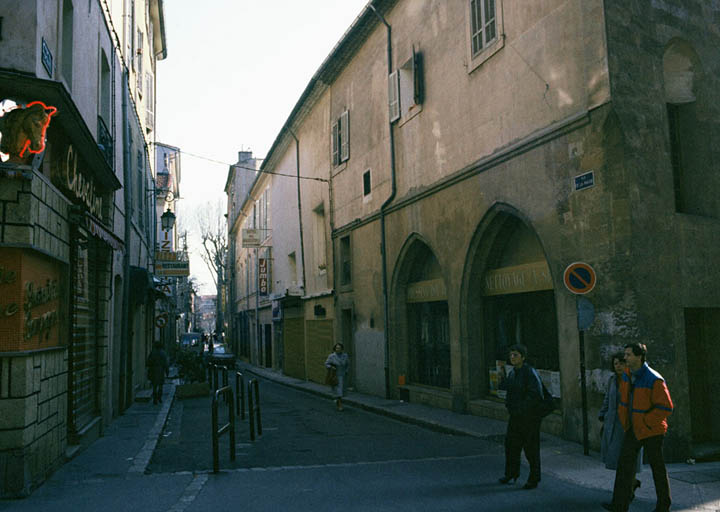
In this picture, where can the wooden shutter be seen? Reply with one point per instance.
(418, 79)
(394, 96)
(335, 143)
(344, 136)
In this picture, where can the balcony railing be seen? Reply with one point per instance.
(105, 142)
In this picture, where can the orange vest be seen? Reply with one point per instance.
(651, 403)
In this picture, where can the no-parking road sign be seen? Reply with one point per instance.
(579, 277)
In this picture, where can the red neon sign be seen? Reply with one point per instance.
(49, 112)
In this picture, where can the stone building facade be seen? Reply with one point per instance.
(465, 154)
(62, 232)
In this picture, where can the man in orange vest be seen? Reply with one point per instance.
(643, 409)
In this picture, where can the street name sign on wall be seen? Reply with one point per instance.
(250, 238)
(579, 277)
(585, 180)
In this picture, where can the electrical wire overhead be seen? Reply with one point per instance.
(238, 166)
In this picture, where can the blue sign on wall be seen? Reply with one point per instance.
(586, 180)
(47, 58)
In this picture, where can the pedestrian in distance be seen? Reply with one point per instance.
(644, 407)
(157, 368)
(338, 361)
(612, 433)
(524, 393)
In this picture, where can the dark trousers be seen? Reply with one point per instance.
(625, 475)
(157, 391)
(523, 434)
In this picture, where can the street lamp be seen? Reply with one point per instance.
(167, 220)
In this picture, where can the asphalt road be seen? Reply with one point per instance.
(311, 457)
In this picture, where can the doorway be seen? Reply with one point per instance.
(702, 330)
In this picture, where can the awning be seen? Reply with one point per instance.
(96, 228)
(28, 88)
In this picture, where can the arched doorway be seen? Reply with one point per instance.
(422, 351)
(509, 299)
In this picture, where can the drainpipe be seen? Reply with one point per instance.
(302, 242)
(123, 385)
(383, 249)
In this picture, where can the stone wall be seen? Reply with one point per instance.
(33, 401)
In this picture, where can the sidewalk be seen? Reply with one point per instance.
(694, 487)
(113, 469)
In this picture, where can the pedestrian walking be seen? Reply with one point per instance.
(338, 361)
(524, 394)
(157, 368)
(612, 433)
(643, 409)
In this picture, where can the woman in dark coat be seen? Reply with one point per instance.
(524, 394)
(612, 431)
(157, 367)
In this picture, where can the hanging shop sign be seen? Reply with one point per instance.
(263, 276)
(171, 264)
(23, 130)
(250, 238)
(30, 302)
(529, 277)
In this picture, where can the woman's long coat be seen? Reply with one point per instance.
(613, 433)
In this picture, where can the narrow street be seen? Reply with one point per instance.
(311, 457)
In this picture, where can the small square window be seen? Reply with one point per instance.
(366, 183)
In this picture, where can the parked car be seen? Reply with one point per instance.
(220, 355)
(191, 340)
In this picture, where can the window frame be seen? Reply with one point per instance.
(340, 139)
(476, 58)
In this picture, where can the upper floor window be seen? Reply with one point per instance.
(340, 143)
(482, 24)
(345, 261)
(485, 30)
(694, 188)
(66, 54)
(406, 89)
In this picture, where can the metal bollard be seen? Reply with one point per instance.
(240, 395)
(254, 408)
(228, 427)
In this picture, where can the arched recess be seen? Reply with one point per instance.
(420, 352)
(507, 297)
(687, 130)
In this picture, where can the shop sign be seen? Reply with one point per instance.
(80, 185)
(23, 130)
(172, 268)
(530, 277)
(29, 302)
(263, 276)
(250, 238)
(431, 290)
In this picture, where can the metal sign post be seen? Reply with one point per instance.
(580, 278)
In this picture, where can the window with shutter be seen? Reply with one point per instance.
(139, 56)
(149, 102)
(394, 96)
(335, 143)
(344, 136)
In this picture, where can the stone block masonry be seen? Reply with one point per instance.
(33, 420)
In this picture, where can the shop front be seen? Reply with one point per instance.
(55, 259)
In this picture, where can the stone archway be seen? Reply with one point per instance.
(507, 298)
(420, 353)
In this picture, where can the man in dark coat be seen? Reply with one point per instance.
(157, 367)
(524, 393)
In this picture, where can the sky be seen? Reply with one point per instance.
(233, 73)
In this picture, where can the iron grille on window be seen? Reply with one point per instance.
(105, 142)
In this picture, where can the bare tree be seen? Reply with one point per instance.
(213, 234)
